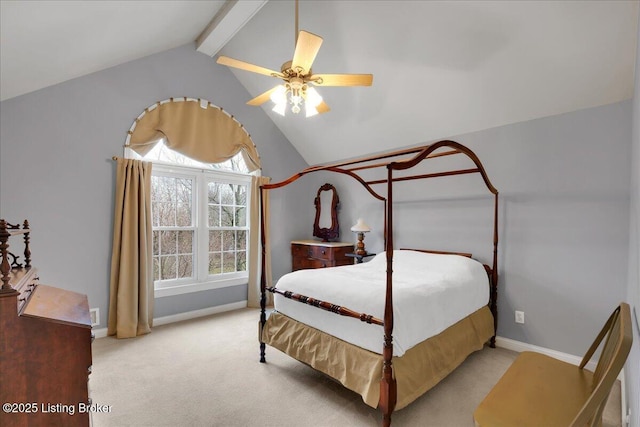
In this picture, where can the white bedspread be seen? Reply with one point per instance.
(430, 293)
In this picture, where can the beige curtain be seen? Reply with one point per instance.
(131, 287)
(208, 135)
(255, 245)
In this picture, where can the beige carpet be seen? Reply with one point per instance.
(205, 372)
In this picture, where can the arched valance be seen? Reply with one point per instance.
(195, 128)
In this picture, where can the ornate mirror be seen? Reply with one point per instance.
(326, 224)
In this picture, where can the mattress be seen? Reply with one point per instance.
(430, 293)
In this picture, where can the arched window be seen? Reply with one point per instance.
(200, 218)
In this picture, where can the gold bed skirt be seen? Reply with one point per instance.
(360, 370)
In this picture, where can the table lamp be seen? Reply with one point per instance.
(360, 227)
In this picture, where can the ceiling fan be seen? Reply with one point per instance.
(297, 76)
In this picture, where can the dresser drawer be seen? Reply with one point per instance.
(313, 254)
(321, 252)
(306, 263)
(300, 251)
(309, 251)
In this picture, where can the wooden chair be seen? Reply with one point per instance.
(538, 390)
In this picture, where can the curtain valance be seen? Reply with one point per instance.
(195, 128)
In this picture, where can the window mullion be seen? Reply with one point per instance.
(203, 229)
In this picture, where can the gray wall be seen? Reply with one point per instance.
(632, 368)
(56, 170)
(564, 185)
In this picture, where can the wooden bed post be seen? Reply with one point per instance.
(388, 386)
(263, 278)
(494, 275)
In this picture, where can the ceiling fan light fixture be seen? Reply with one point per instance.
(313, 97)
(280, 108)
(297, 76)
(310, 110)
(279, 95)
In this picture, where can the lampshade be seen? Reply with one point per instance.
(279, 98)
(361, 227)
(297, 94)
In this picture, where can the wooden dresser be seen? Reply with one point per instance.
(306, 254)
(45, 345)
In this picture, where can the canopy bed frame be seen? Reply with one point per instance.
(404, 160)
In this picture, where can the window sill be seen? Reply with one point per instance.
(170, 291)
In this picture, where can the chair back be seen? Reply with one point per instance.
(619, 337)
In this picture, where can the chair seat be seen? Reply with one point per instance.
(537, 390)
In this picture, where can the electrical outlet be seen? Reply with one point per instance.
(519, 316)
(95, 316)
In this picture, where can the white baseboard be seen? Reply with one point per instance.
(102, 332)
(519, 346)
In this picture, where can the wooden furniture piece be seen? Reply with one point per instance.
(395, 167)
(538, 390)
(45, 345)
(326, 212)
(307, 254)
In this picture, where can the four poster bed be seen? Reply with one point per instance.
(421, 312)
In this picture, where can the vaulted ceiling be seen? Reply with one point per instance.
(441, 68)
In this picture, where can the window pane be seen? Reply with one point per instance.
(185, 242)
(156, 242)
(228, 240)
(215, 263)
(155, 214)
(183, 215)
(241, 240)
(215, 241)
(214, 216)
(164, 154)
(156, 268)
(167, 267)
(214, 193)
(166, 214)
(228, 262)
(155, 188)
(185, 266)
(241, 217)
(226, 219)
(165, 189)
(227, 196)
(241, 261)
(168, 242)
(184, 190)
(241, 195)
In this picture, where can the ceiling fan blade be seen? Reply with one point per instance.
(322, 107)
(262, 98)
(230, 62)
(342, 79)
(307, 48)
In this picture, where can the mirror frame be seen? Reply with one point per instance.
(327, 233)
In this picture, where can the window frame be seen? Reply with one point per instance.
(202, 280)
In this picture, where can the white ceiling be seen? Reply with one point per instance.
(43, 43)
(440, 68)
